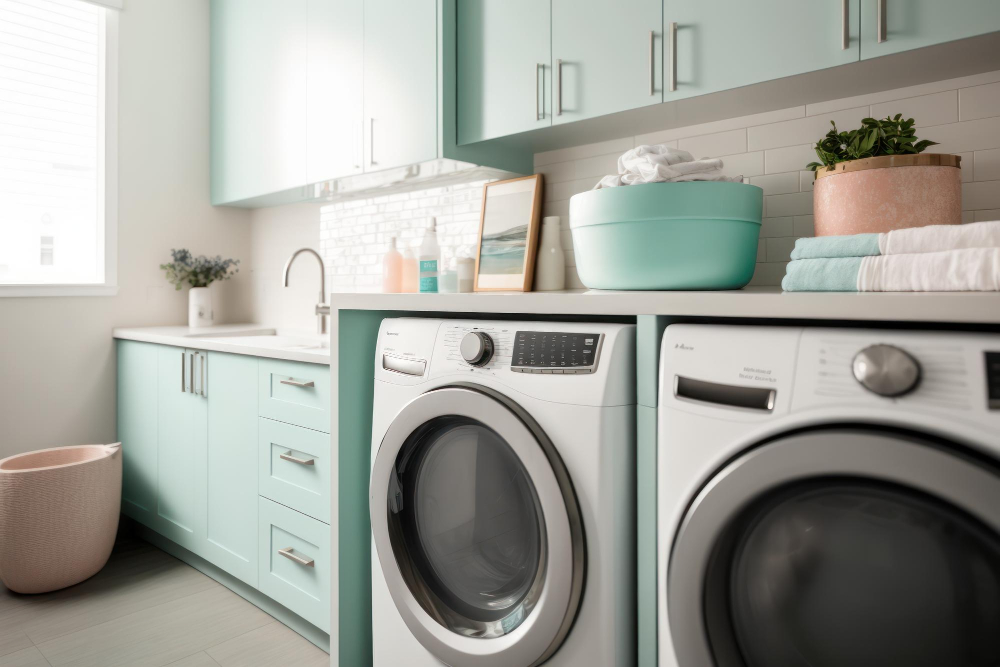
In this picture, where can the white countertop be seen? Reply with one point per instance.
(250, 339)
(750, 302)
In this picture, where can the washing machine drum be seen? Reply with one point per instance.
(477, 529)
(840, 547)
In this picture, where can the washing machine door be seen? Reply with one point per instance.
(477, 529)
(840, 547)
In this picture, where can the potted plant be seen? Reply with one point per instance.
(877, 178)
(198, 272)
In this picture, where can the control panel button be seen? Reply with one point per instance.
(477, 348)
(886, 370)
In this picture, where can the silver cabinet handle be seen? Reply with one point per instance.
(652, 63)
(183, 377)
(287, 553)
(371, 141)
(539, 114)
(287, 456)
(297, 383)
(845, 24)
(359, 143)
(191, 389)
(559, 87)
(880, 21)
(672, 83)
(201, 363)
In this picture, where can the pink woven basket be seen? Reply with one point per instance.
(58, 515)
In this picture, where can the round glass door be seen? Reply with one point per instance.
(464, 513)
(840, 547)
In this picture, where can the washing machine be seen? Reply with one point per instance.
(828, 497)
(502, 494)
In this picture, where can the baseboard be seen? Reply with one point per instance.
(248, 593)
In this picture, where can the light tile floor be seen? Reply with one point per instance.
(145, 609)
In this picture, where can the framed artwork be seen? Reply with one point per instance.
(508, 234)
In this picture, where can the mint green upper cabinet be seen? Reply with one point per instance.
(137, 428)
(732, 43)
(334, 88)
(400, 62)
(258, 94)
(610, 57)
(231, 460)
(911, 24)
(182, 416)
(504, 70)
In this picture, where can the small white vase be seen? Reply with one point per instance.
(200, 313)
(550, 268)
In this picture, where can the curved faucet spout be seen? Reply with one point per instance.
(321, 307)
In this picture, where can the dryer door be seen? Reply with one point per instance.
(477, 529)
(840, 547)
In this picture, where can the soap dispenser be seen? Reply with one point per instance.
(430, 260)
(392, 269)
(550, 267)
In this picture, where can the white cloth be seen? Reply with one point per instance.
(966, 270)
(663, 164)
(936, 238)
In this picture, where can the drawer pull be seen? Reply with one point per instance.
(302, 462)
(296, 383)
(287, 553)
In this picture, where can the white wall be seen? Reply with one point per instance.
(57, 357)
(771, 150)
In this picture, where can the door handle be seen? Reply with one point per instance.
(298, 383)
(287, 552)
(539, 115)
(191, 389)
(845, 24)
(559, 87)
(371, 141)
(287, 456)
(652, 62)
(880, 21)
(201, 363)
(672, 84)
(183, 376)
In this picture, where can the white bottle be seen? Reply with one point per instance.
(392, 269)
(550, 268)
(429, 260)
(408, 282)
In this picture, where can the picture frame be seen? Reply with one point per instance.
(508, 235)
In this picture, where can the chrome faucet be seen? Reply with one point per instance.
(322, 309)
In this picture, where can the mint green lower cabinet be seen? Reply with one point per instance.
(295, 393)
(911, 24)
(137, 428)
(231, 460)
(295, 562)
(182, 436)
(731, 43)
(293, 467)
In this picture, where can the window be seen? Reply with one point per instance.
(58, 145)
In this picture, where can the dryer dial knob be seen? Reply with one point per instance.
(477, 348)
(886, 370)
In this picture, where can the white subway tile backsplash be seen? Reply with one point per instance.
(779, 249)
(803, 226)
(987, 165)
(972, 135)
(579, 152)
(776, 227)
(926, 110)
(979, 101)
(800, 203)
(714, 145)
(980, 195)
(807, 179)
(777, 184)
(719, 126)
(983, 216)
(802, 130)
(743, 164)
(793, 158)
(967, 166)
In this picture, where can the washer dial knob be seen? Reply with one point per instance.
(886, 370)
(477, 348)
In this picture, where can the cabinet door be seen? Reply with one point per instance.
(334, 89)
(610, 57)
(503, 67)
(231, 460)
(732, 43)
(910, 24)
(258, 96)
(137, 428)
(400, 83)
(181, 442)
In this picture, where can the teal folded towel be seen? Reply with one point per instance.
(855, 245)
(834, 274)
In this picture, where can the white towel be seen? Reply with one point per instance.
(663, 164)
(936, 238)
(966, 270)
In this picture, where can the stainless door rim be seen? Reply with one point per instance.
(540, 635)
(893, 458)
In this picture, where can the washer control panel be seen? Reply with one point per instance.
(555, 352)
(993, 380)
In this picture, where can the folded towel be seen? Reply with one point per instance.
(965, 270)
(663, 164)
(837, 274)
(935, 238)
(854, 245)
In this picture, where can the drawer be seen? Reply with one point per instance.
(295, 562)
(295, 393)
(294, 467)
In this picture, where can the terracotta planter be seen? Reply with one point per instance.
(880, 194)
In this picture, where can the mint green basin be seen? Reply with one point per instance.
(700, 235)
